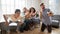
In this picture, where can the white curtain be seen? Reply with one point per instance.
(54, 6)
(9, 6)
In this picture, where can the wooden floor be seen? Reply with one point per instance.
(37, 31)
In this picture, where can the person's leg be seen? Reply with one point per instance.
(27, 22)
(18, 27)
(8, 29)
(22, 27)
(8, 32)
(43, 27)
(49, 28)
(36, 22)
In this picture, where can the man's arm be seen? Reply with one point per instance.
(5, 17)
(50, 13)
(40, 15)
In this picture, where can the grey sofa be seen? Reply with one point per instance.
(56, 21)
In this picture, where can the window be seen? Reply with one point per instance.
(54, 6)
(9, 6)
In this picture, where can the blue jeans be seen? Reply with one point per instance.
(27, 22)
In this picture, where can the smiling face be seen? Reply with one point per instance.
(43, 6)
(25, 9)
(32, 10)
(17, 13)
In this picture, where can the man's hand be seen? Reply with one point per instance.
(6, 24)
(50, 14)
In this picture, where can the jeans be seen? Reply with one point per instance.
(28, 23)
(49, 27)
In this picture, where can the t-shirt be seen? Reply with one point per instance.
(45, 18)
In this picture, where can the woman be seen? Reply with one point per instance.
(30, 18)
(33, 17)
(27, 20)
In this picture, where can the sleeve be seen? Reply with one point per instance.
(48, 10)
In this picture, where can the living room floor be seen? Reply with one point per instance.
(37, 31)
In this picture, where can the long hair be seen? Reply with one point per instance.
(33, 9)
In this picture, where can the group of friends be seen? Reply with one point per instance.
(28, 21)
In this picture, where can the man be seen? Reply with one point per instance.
(16, 18)
(45, 15)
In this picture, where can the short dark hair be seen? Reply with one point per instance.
(33, 9)
(17, 10)
(41, 4)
